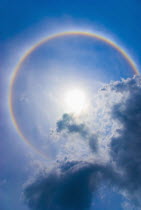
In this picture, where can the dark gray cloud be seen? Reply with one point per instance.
(68, 124)
(72, 185)
(126, 147)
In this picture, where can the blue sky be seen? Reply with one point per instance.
(23, 23)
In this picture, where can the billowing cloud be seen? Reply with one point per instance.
(70, 186)
(126, 147)
(73, 184)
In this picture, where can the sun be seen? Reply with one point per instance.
(75, 101)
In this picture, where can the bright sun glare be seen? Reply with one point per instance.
(75, 101)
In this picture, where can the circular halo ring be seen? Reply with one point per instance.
(47, 39)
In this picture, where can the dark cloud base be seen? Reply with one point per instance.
(72, 185)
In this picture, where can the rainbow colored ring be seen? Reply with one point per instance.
(47, 39)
